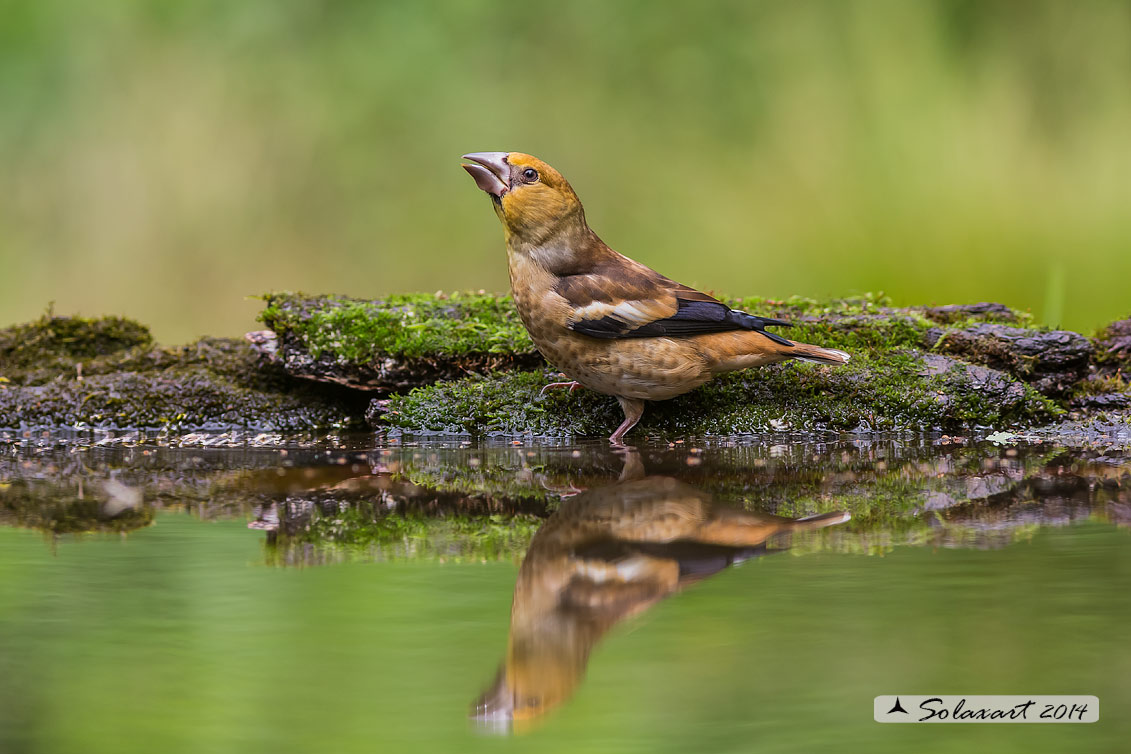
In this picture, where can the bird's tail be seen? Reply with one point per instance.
(741, 349)
(814, 354)
(820, 521)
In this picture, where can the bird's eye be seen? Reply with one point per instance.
(530, 175)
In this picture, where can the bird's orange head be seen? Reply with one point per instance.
(532, 199)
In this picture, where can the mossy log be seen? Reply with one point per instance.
(397, 343)
(76, 373)
(463, 364)
(952, 368)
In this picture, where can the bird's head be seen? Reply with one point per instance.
(532, 199)
(540, 673)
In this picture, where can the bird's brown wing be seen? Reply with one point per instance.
(623, 299)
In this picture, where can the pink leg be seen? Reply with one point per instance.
(572, 385)
(633, 409)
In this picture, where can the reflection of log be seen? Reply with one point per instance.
(67, 507)
(1056, 496)
(605, 555)
(898, 492)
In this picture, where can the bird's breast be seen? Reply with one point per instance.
(648, 368)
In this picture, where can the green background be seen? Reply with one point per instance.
(167, 158)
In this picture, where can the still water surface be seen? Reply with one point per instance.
(338, 597)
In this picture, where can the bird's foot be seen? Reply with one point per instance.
(572, 385)
(633, 410)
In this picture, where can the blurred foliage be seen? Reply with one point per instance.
(166, 158)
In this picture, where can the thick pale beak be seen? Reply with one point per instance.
(492, 173)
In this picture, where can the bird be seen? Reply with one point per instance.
(610, 323)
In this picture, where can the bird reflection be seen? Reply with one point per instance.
(604, 555)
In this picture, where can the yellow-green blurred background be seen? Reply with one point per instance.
(168, 158)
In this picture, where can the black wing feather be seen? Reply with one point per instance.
(692, 318)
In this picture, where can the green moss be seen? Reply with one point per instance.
(1113, 347)
(876, 391)
(51, 338)
(215, 383)
(887, 386)
(869, 320)
(412, 326)
(423, 325)
(883, 388)
(1102, 385)
(797, 306)
(60, 372)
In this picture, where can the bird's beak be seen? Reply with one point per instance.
(491, 173)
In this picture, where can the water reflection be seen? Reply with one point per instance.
(607, 554)
(180, 616)
(324, 503)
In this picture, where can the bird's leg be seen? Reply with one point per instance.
(633, 409)
(572, 385)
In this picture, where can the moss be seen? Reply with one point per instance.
(870, 320)
(1053, 361)
(407, 341)
(61, 372)
(331, 338)
(875, 391)
(886, 386)
(412, 326)
(460, 324)
(1103, 384)
(397, 343)
(1113, 347)
(215, 383)
(50, 339)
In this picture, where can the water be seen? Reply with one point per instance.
(331, 596)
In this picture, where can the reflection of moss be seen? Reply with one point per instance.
(55, 510)
(363, 530)
(914, 532)
(953, 495)
(486, 502)
(412, 326)
(490, 481)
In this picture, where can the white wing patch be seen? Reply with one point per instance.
(633, 313)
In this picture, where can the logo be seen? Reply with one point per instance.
(954, 708)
